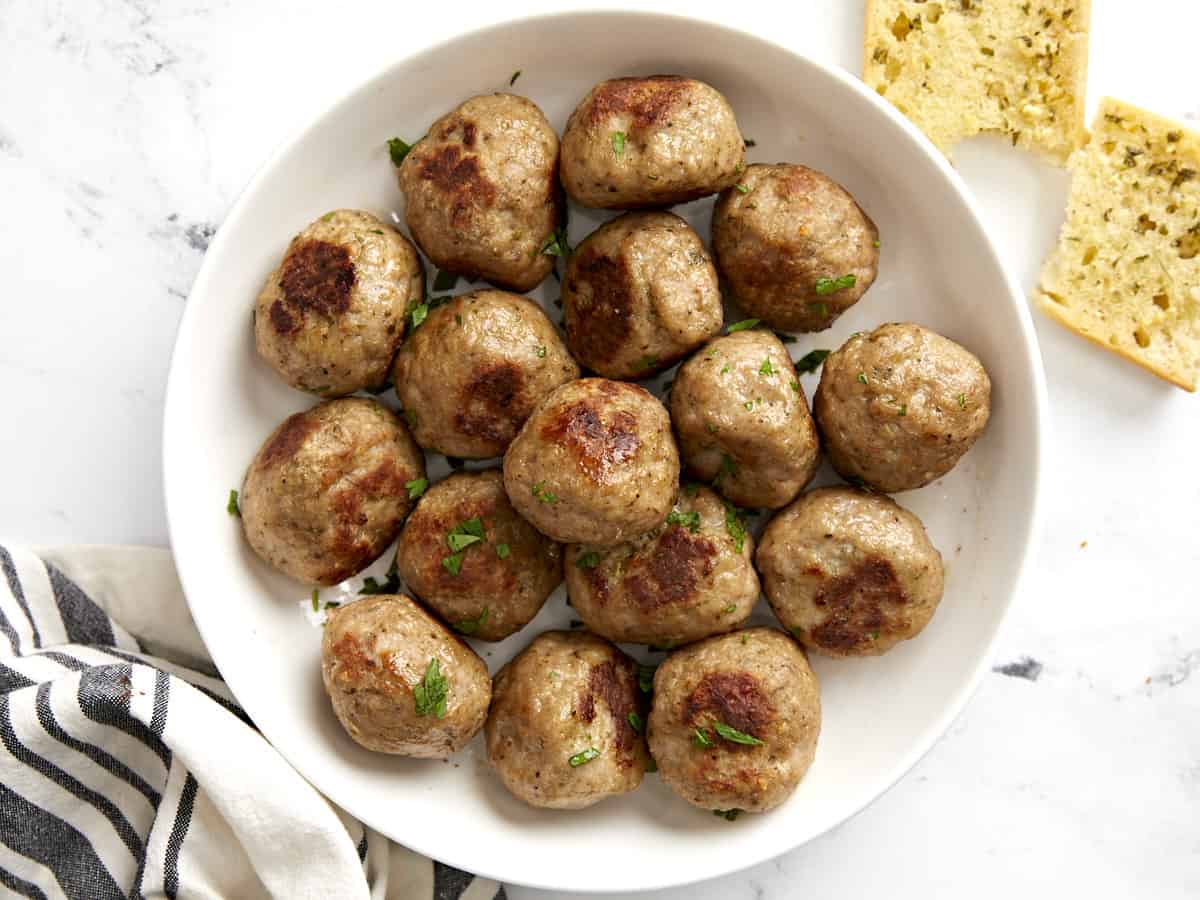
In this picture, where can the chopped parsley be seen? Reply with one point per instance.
(742, 325)
(651, 765)
(397, 150)
(729, 815)
(748, 142)
(556, 244)
(444, 281)
(731, 608)
(821, 309)
(732, 735)
(418, 314)
(735, 527)
(583, 756)
(502, 551)
(390, 586)
(515, 76)
(453, 563)
(877, 245)
(543, 495)
(231, 506)
(691, 489)
(646, 362)
(458, 539)
(316, 601)
(635, 721)
(785, 338)
(470, 626)
(690, 521)
(416, 488)
(749, 404)
(618, 143)
(902, 410)
(827, 286)
(962, 401)
(645, 678)
(327, 217)
(742, 188)
(862, 377)
(429, 694)
(811, 361)
(700, 739)
(728, 468)
(376, 231)
(795, 387)
(410, 417)
(458, 318)
(766, 368)
(587, 560)
(541, 352)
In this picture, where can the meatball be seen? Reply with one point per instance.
(735, 720)
(564, 730)
(640, 293)
(654, 141)
(595, 463)
(480, 193)
(326, 493)
(399, 681)
(743, 421)
(689, 578)
(330, 318)
(472, 372)
(796, 249)
(898, 408)
(849, 573)
(472, 560)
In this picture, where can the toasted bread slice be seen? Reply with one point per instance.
(1126, 271)
(958, 68)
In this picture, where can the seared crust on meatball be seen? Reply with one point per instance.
(564, 730)
(735, 720)
(330, 317)
(783, 240)
(899, 407)
(487, 588)
(850, 573)
(743, 422)
(376, 659)
(656, 141)
(480, 192)
(640, 293)
(469, 376)
(595, 463)
(689, 578)
(325, 494)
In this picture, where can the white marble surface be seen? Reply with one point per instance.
(128, 127)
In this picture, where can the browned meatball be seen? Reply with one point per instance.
(564, 730)
(687, 579)
(474, 370)
(326, 495)
(742, 420)
(899, 407)
(330, 317)
(655, 141)
(796, 249)
(640, 293)
(472, 560)
(849, 573)
(594, 464)
(399, 681)
(735, 720)
(480, 193)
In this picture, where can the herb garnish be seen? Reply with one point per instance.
(811, 361)
(734, 736)
(700, 739)
(444, 281)
(645, 678)
(541, 352)
(728, 815)
(429, 694)
(728, 468)
(962, 401)
(690, 521)
(635, 721)
(731, 608)
(470, 626)
(515, 76)
(543, 495)
(389, 586)
(649, 361)
(316, 603)
(232, 507)
(502, 551)
(742, 188)
(830, 285)
(734, 526)
(691, 488)
(587, 560)
(862, 377)
(458, 539)
(748, 142)
(397, 150)
(583, 756)
(416, 487)
(766, 368)
(556, 244)
(742, 325)
(618, 143)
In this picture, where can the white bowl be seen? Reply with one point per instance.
(938, 268)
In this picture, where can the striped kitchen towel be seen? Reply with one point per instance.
(128, 769)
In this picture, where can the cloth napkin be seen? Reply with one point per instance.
(128, 769)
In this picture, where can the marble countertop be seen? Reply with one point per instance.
(127, 129)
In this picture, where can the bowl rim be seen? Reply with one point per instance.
(906, 131)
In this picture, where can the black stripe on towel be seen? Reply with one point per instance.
(104, 760)
(20, 885)
(162, 689)
(14, 585)
(81, 791)
(362, 846)
(86, 623)
(104, 698)
(33, 832)
(183, 818)
(11, 680)
(208, 692)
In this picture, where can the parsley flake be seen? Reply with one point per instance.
(470, 626)
(587, 560)
(729, 815)
(811, 361)
(543, 495)
(503, 551)
(316, 603)
(419, 314)
(766, 368)
(700, 739)
(429, 694)
(728, 468)
(734, 736)
(646, 362)
(453, 563)
(690, 521)
(390, 586)
(618, 143)
(735, 527)
(231, 506)
(541, 352)
(731, 608)
(583, 756)
(742, 325)
(645, 678)
(416, 488)
(862, 377)
(635, 721)
(742, 188)
(515, 76)
(397, 150)
(749, 142)
(827, 286)
(962, 401)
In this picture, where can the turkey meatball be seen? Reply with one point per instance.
(325, 495)
(473, 371)
(656, 141)
(743, 422)
(795, 248)
(689, 578)
(480, 193)
(472, 560)
(594, 464)
(735, 720)
(564, 730)
(399, 681)
(640, 293)
(849, 573)
(330, 317)
(899, 407)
